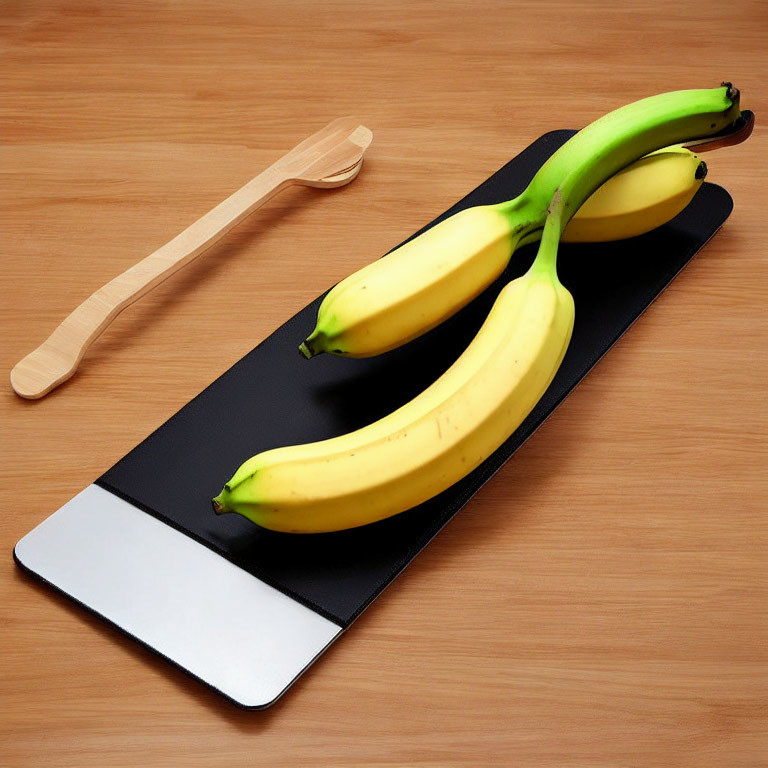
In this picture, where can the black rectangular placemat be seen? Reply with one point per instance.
(274, 397)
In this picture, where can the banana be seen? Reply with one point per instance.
(372, 312)
(417, 286)
(643, 196)
(430, 442)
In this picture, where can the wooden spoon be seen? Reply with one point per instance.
(329, 158)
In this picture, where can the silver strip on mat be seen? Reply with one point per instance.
(233, 631)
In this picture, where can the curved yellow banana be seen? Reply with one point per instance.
(368, 313)
(430, 442)
(647, 194)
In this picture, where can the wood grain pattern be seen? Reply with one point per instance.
(602, 601)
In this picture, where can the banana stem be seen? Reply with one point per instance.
(546, 258)
(560, 211)
(523, 214)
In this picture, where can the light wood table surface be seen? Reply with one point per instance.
(602, 601)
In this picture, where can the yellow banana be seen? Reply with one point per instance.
(647, 194)
(430, 442)
(369, 312)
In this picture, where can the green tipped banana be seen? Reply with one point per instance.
(417, 286)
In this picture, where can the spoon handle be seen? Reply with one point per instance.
(57, 358)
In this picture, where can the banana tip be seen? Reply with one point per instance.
(732, 93)
(310, 347)
(218, 507)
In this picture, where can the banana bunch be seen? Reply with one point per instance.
(431, 442)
